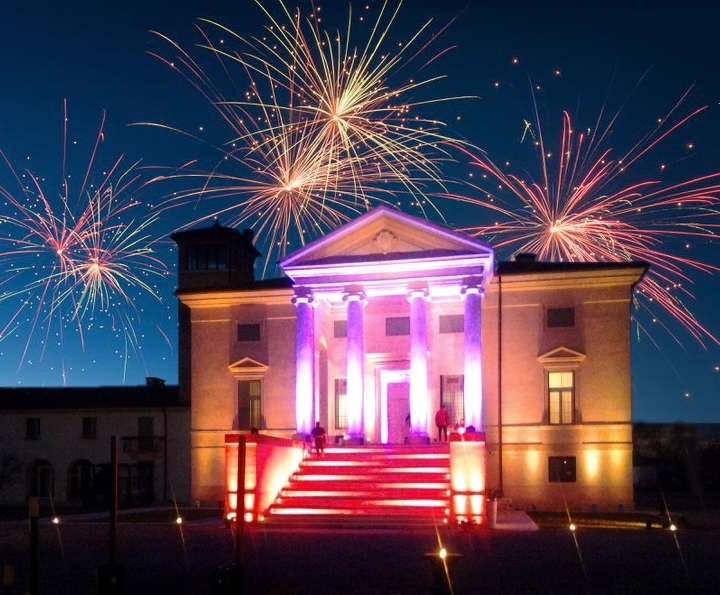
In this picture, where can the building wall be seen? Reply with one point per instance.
(215, 348)
(601, 437)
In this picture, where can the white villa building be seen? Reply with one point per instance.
(377, 323)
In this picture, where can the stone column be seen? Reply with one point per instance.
(304, 361)
(473, 294)
(418, 365)
(355, 346)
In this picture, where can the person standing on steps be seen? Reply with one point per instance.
(318, 435)
(441, 421)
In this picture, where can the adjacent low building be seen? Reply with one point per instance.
(55, 443)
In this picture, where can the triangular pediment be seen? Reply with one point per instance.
(383, 234)
(247, 367)
(561, 357)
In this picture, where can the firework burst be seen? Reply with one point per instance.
(320, 134)
(73, 259)
(585, 207)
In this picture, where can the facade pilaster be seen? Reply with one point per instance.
(418, 364)
(304, 361)
(472, 405)
(355, 345)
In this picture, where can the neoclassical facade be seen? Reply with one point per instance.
(377, 323)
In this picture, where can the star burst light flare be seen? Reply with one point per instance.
(321, 133)
(585, 206)
(72, 257)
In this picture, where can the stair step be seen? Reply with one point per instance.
(348, 486)
(300, 480)
(438, 510)
(359, 502)
(365, 469)
(369, 493)
(358, 521)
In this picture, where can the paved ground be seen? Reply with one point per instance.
(163, 559)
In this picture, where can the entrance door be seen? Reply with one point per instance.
(398, 401)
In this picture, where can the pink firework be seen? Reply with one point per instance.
(585, 207)
(69, 259)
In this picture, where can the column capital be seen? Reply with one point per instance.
(421, 292)
(303, 296)
(355, 295)
(472, 287)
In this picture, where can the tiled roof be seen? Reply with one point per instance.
(102, 397)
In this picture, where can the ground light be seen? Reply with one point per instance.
(441, 566)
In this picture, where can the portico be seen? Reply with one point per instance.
(396, 302)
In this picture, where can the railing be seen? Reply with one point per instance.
(142, 445)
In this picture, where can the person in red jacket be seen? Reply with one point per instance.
(441, 421)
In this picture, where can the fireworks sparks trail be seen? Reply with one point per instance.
(321, 134)
(73, 260)
(584, 207)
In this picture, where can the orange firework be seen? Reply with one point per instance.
(319, 135)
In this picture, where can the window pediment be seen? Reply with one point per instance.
(561, 357)
(247, 368)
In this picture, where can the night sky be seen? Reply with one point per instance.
(639, 58)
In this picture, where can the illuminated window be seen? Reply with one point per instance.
(561, 397)
(340, 401)
(248, 332)
(453, 323)
(32, 428)
(560, 317)
(561, 469)
(249, 414)
(340, 329)
(89, 427)
(210, 257)
(395, 327)
(451, 395)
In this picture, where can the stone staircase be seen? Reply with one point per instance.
(371, 483)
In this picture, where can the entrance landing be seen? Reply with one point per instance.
(370, 481)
